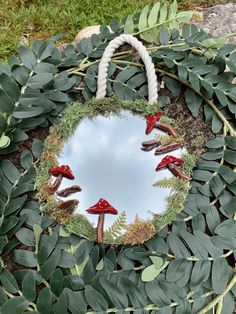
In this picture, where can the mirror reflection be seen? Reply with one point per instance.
(107, 161)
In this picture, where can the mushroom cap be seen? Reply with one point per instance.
(169, 160)
(64, 169)
(102, 207)
(151, 121)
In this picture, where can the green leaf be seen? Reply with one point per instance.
(27, 57)
(184, 16)
(56, 281)
(156, 294)
(157, 261)
(73, 282)
(227, 229)
(129, 25)
(8, 281)
(115, 294)
(75, 301)
(16, 305)
(44, 301)
(39, 80)
(47, 244)
(153, 15)
(230, 156)
(29, 286)
(231, 142)
(91, 82)
(217, 124)
(95, 299)
(61, 304)
(164, 36)
(7, 105)
(173, 85)
(136, 296)
(37, 148)
(50, 265)
(10, 171)
(173, 10)
(217, 142)
(25, 236)
(151, 272)
(163, 13)
(25, 258)
(24, 113)
(26, 159)
(10, 87)
(85, 46)
(193, 102)
(200, 273)
(142, 23)
(220, 273)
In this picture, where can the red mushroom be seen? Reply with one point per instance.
(154, 122)
(172, 163)
(101, 208)
(60, 172)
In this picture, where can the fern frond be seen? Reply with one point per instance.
(171, 182)
(167, 120)
(116, 229)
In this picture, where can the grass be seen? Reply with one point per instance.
(22, 21)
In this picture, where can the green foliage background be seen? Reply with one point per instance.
(33, 19)
(188, 267)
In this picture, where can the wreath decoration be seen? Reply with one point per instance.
(189, 266)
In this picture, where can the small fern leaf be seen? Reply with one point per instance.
(117, 228)
(171, 182)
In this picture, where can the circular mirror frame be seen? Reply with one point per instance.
(78, 223)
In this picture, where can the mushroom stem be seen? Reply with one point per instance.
(100, 228)
(149, 145)
(167, 148)
(68, 191)
(177, 172)
(166, 127)
(56, 183)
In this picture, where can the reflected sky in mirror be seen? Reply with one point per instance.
(107, 161)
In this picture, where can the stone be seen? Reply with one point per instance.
(219, 20)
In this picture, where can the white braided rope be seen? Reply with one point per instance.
(106, 58)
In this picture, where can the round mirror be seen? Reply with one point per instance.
(122, 185)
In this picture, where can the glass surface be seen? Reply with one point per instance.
(107, 161)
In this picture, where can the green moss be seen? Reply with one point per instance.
(189, 163)
(175, 203)
(79, 224)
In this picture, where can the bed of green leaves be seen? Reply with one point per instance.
(188, 267)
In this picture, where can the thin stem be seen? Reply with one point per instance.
(209, 102)
(219, 297)
(229, 35)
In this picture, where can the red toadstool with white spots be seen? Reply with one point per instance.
(154, 122)
(60, 172)
(101, 208)
(172, 163)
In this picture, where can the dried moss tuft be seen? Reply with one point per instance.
(139, 232)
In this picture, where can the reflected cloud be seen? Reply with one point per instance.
(106, 158)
